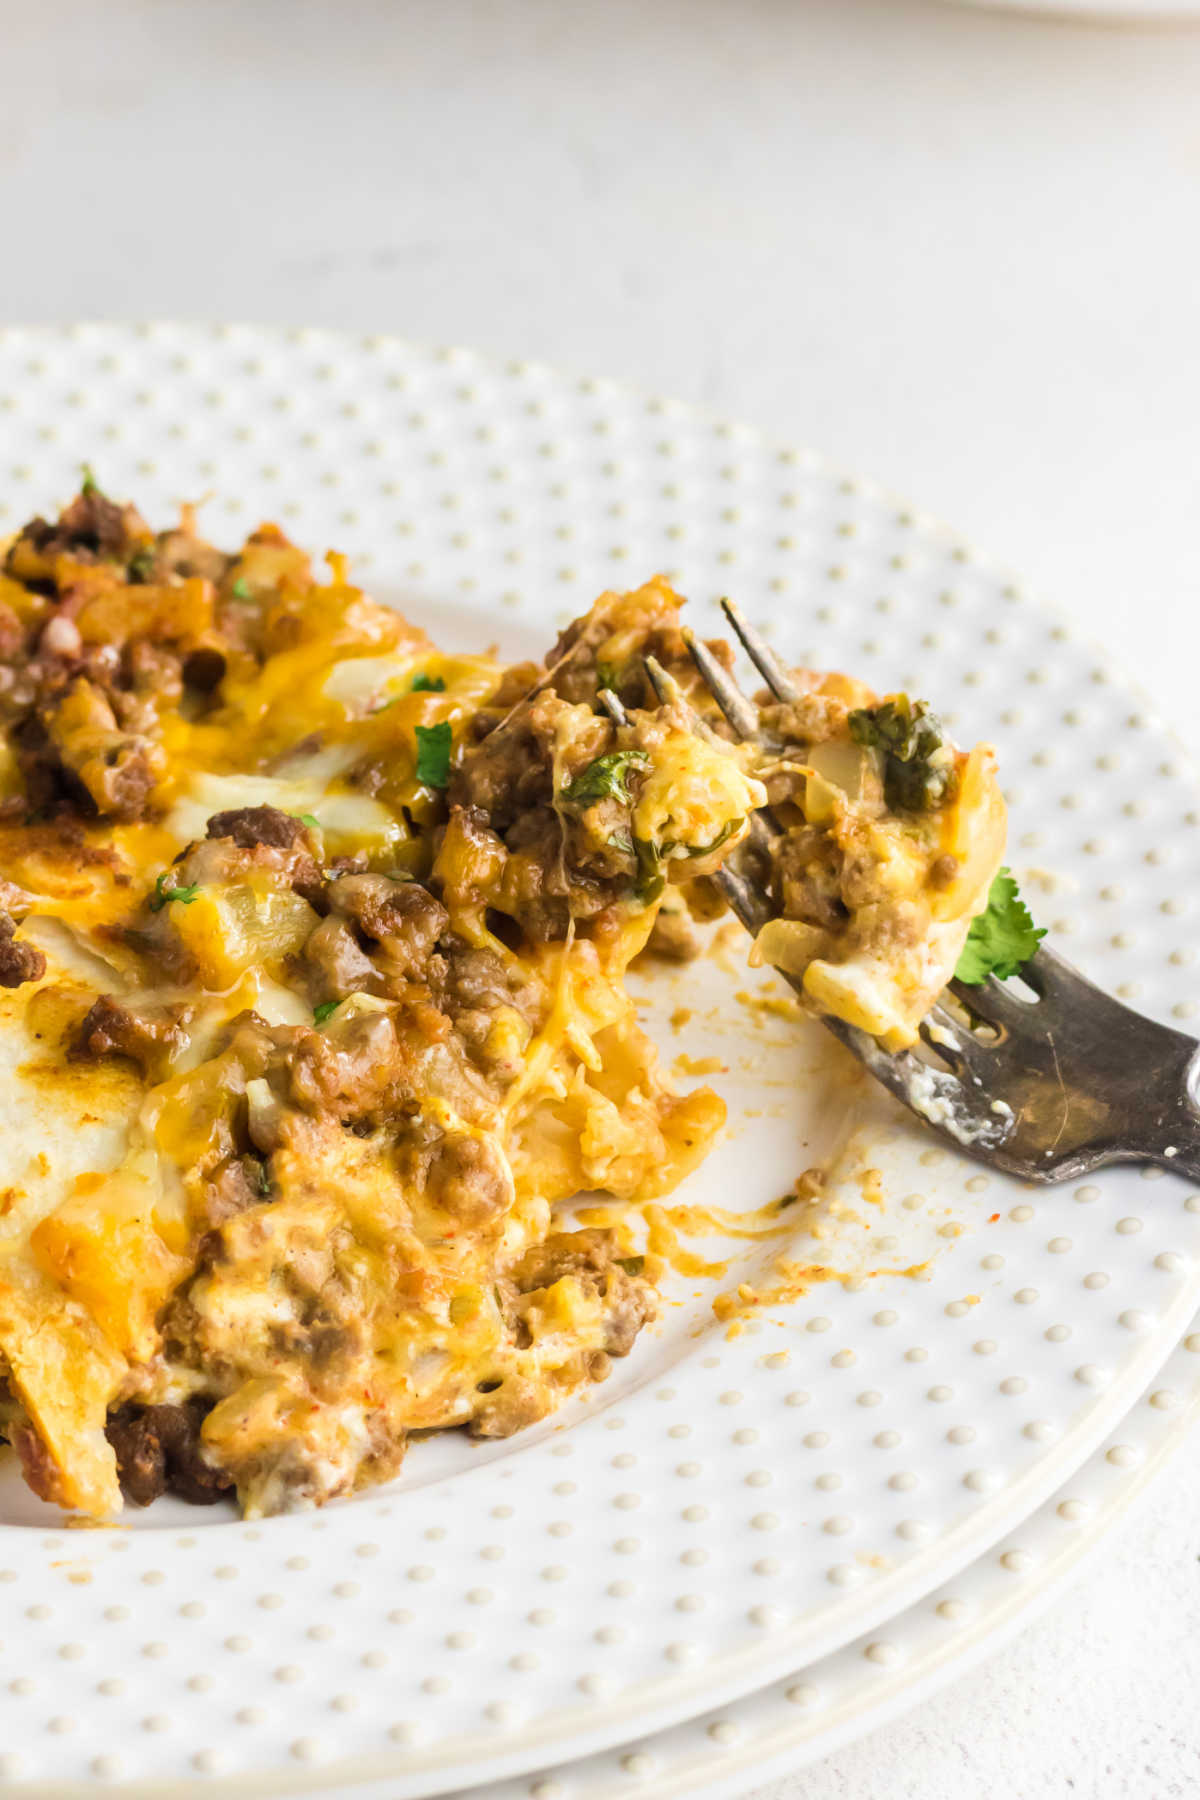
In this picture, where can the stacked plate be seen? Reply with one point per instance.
(868, 1485)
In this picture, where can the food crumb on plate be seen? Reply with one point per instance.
(699, 1065)
(780, 1006)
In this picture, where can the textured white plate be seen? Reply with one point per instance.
(725, 1509)
(810, 1714)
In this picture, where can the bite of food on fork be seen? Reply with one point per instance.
(872, 880)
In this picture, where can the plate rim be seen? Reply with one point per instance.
(973, 1644)
(972, 1536)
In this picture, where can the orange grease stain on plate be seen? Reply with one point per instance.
(795, 1279)
(666, 1226)
(779, 1006)
(698, 1065)
(870, 1183)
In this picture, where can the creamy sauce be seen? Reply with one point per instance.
(936, 1097)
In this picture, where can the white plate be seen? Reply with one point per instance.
(817, 1710)
(725, 1509)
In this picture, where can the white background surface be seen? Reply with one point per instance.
(959, 252)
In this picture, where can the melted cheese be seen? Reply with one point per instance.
(694, 795)
(908, 887)
(322, 722)
(383, 1278)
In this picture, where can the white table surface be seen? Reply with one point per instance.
(958, 251)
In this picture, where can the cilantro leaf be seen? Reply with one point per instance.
(309, 819)
(608, 675)
(632, 1265)
(1002, 938)
(163, 895)
(322, 1012)
(140, 566)
(650, 878)
(918, 773)
(89, 484)
(428, 684)
(606, 778)
(241, 589)
(433, 753)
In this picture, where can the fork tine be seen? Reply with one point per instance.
(764, 829)
(1053, 978)
(954, 1043)
(994, 1003)
(955, 1107)
(741, 713)
(612, 706)
(760, 654)
(665, 686)
(746, 900)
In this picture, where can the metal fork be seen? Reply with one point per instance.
(1044, 1084)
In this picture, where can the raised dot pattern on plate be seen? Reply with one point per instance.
(793, 1722)
(488, 500)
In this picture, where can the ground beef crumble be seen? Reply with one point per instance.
(149, 1035)
(251, 825)
(19, 961)
(158, 1452)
